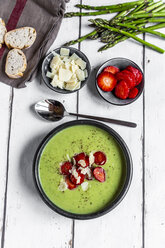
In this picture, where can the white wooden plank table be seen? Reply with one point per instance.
(139, 220)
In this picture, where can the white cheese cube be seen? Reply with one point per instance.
(56, 61)
(74, 68)
(81, 63)
(58, 83)
(74, 56)
(73, 85)
(55, 54)
(67, 66)
(80, 74)
(86, 73)
(64, 52)
(64, 75)
(49, 74)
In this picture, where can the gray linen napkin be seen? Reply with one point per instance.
(45, 16)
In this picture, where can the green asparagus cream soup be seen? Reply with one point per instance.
(77, 139)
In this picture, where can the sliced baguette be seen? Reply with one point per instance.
(15, 63)
(20, 38)
(2, 31)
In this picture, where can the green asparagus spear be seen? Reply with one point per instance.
(158, 49)
(110, 7)
(145, 15)
(81, 38)
(102, 12)
(149, 8)
(143, 30)
(112, 44)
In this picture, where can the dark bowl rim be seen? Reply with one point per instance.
(65, 91)
(120, 196)
(131, 100)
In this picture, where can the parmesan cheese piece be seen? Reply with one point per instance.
(64, 75)
(63, 185)
(81, 63)
(85, 186)
(74, 57)
(80, 74)
(55, 62)
(64, 52)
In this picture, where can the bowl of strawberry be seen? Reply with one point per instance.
(120, 81)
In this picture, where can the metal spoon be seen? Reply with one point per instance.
(52, 110)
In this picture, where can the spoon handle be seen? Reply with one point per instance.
(118, 122)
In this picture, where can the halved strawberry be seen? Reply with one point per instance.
(99, 174)
(100, 158)
(133, 93)
(82, 159)
(79, 179)
(87, 160)
(70, 184)
(106, 81)
(66, 167)
(138, 75)
(112, 69)
(80, 156)
(87, 172)
(122, 90)
(128, 77)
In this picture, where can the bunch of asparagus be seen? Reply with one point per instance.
(129, 21)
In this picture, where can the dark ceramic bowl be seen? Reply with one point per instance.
(120, 195)
(46, 67)
(121, 63)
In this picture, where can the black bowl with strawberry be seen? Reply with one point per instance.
(120, 81)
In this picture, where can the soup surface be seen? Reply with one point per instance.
(76, 139)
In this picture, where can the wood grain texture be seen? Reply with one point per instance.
(154, 147)
(126, 220)
(139, 220)
(5, 103)
(29, 222)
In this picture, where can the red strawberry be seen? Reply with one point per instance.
(106, 81)
(112, 69)
(99, 174)
(70, 184)
(138, 75)
(79, 180)
(128, 77)
(65, 167)
(133, 93)
(100, 158)
(80, 156)
(82, 159)
(87, 160)
(122, 90)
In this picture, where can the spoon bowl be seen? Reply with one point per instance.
(52, 110)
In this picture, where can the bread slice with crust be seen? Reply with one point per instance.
(15, 63)
(2, 31)
(20, 38)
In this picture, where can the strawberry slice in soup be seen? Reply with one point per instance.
(76, 177)
(69, 183)
(66, 167)
(82, 159)
(99, 174)
(100, 158)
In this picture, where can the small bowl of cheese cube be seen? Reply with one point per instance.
(65, 70)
